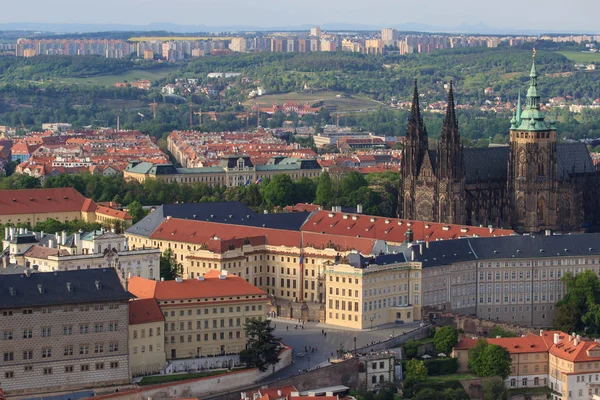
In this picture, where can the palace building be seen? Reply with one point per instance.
(532, 185)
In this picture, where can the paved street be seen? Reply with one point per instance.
(311, 336)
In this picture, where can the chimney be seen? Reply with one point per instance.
(279, 393)
(578, 337)
(200, 277)
(179, 279)
(359, 209)
(21, 231)
(409, 235)
(421, 249)
(28, 273)
(412, 255)
(548, 232)
(575, 342)
(223, 275)
(51, 244)
(41, 235)
(6, 233)
(57, 237)
(77, 239)
(541, 332)
(64, 238)
(162, 279)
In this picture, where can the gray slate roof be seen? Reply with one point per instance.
(573, 158)
(445, 252)
(54, 285)
(492, 162)
(227, 212)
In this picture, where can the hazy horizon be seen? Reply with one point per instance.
(550, 15)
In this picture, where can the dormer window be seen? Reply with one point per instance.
(240, 163)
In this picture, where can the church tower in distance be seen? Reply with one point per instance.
(532, 170)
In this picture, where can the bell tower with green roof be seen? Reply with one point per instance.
(532, 172)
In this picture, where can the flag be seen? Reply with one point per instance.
(247, 182)
(258, 181)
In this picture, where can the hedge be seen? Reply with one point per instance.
(438, 366)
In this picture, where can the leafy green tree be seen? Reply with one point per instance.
(352, 182)
(136, 211)
(578, 309)
(410, 349)
(490, 360)
(169, 267)
(427, 394)
(475, 355)
(498, 330)
(262, 348)
(454, 394)
(416, 371)
(445, 339)
(494, 389)
(279, 191)
(324, 190)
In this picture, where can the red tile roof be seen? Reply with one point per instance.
(44, 252)
(26, 201)
(528, 344)
(144, 311)
(112, 213)
(211, 287)
(392, 230)
(585, 351)
(302, 207)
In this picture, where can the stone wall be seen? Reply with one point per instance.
(202, 386)
(478, 326)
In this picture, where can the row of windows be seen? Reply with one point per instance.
(337, 316)
(69, 350)
(215, 324)
(67, 308)
(143, 348)
(46, 331)
(143, 332)
(215, 336)
(68, 369)
(215, 310)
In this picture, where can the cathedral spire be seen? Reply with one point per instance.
(450, 123)
(415, 110)
(532, 117)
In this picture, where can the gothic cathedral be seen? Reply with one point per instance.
(532, 185)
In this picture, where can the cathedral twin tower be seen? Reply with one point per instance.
(531, 185)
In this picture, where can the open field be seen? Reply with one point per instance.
(580, 57)
(129, 76)
(329, 99)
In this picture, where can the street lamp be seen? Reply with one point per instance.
(371, 319)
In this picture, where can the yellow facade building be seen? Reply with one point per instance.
(146, 337)
(204, 316)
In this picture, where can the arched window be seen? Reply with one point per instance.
(524, 382)
(540, 209)
(536, 381)
(381, 378)
(513, 382)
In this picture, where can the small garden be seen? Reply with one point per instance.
(431, 374)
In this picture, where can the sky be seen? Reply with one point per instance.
(544, 15)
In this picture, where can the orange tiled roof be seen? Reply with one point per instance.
(50, 200)
(391, 229)
(111, 212)
(44, 252)
(211, 287)
(144, 311)
(527, 344)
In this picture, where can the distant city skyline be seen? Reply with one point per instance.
(465, 15)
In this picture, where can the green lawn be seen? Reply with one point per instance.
(130, 76)
(451, 377)
(533, 390)
(153, 380)
(579, 57)
(342, 104)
